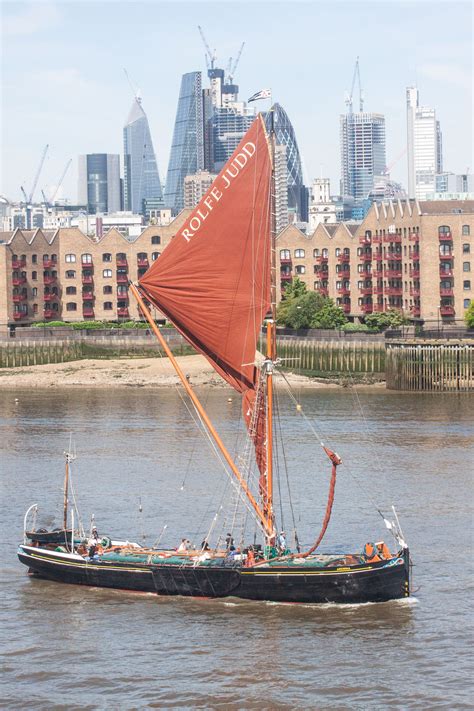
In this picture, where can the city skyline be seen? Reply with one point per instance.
(308, 78)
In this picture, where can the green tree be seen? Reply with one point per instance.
(469, 316)
(292, 291)
(329, 316)
(387, 319)
(301, 308)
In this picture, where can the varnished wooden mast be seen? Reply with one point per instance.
(66, 486)
(258, 510)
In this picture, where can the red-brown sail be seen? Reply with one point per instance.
(213, 279)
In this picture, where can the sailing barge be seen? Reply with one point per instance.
(216, 282)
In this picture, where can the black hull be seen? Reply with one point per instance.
(61, 537)
(376, 582)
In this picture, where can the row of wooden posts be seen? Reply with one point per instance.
(440, 367)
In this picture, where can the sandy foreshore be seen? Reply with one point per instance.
(131, 372)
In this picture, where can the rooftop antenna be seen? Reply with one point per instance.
(210, 56)
(348, 99)
(135, 90)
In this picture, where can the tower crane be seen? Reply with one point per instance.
(232, 66)
(135, 90)
(361, 95)
(29, 199)
(210, 56)
(61, 179)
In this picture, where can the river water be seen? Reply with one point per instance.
(67, 647)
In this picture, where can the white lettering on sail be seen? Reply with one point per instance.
(215, 194)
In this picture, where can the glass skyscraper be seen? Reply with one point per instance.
(362, 153)
(99, 182)
(229, 125)
(141, 177)
(285, 136)
(187, 149)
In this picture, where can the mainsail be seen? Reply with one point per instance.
(213, 279)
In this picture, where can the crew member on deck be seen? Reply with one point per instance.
(229, 541)
(281, 542)
(183, 546)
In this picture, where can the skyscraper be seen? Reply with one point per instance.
(141, 177)
(229, 125)
(281, 188)
(99, 182)
(424, 146)
(285, 136)
(362, 152)
(187, 149)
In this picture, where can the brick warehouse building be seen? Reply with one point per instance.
(407, 255)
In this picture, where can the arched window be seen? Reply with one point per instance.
(71, 306)
(86, 258)
(155, 255)
(142, 255)
(466, 248)
(300, 269)
(338, 251)
(299, 253)
(34, 275)
(107, 273)
(106, 257)
(285, 254)
(107, 289)
(70, 258)
(156, 239)
(54, 258)
(444, 230)
(71, 290)
(108, 306)
(70, 274)
(466, 230)
(466, 266)
(325, 252)
(315, 253)
(34, 259)
(121, 257)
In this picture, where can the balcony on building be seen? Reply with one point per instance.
(322, 259)
(48, 313)
(50, 297)
(366, 257)
(377, 289)
(49, 263)
(394, 291)
(123, 311)
(394, 254)
(87, 261)
(446, 291)
(16, 281)
(443, 272)
(143, 262)
(367, 308)
(344, 258)
(377, 239)
(49, 279)
(122, 278)
(378, 256)
(346, 308)
(392, 273)
(87, 279)
(414, 273)
(344, 290)
(323, 290)
(414, 291)
(88, 296)
(88, 311)
(366, 290)
(18, 298)
(445, 237)
(414, 237)
(396, 238)
(18, 263)
(17, 315)
(122, 262)
(416, 311)
(447, 310)
(445, 257)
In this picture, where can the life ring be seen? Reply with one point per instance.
(106, 542)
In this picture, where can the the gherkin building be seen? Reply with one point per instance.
(285, 135)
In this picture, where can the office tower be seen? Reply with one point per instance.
(424, 147)
(141, 177)
(195, 187)
(281, 188)
(99, 182)
(362, 152)
(229, 125)
(285, 136)
(187, 149)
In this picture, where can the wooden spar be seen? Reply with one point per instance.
(66, 484)
(269, 487)
(201, 410)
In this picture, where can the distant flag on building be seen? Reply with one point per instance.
(263, 94)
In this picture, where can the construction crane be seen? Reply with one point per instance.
(232, 66)
(210, 56)
(361, 95)
(29, 199)
(135, 90)
(61, 179)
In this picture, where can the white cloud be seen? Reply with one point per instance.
(30, 19)
(447, 73)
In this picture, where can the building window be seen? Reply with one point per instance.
(338, 251)
(466, 266)
(285, 254)
(466, 285)
(34, 260)
(70, 290)
(45, 257)
(71, 306)
(86, 258)
(107, 273)
(108, 306)
(325, 253)
(315, 253)
(299, 253)
(121, 257)
(70, 274)
(467, 303)
(156, 239)
(54, 258)
(466, 248)
(107, 257)
(466, 230)
(122, 290)
(155, 255)
(35, 308)
(444, 230)
(70, 258)
(300, 269)
(34, 291)
(107, 289)
(34, 276)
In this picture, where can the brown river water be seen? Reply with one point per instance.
(67, 647)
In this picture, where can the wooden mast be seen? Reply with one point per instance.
(268, 529)
(66, 485)
(270, 346)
